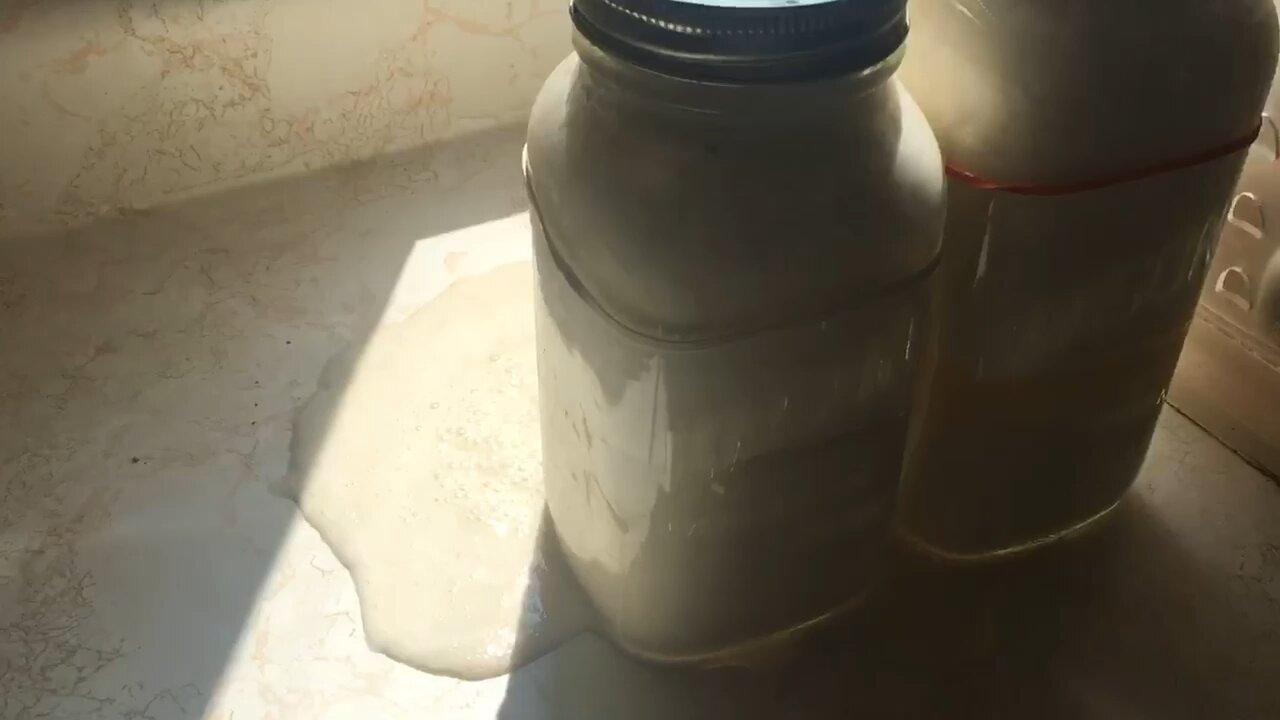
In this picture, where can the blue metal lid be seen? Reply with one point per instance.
(746, 40)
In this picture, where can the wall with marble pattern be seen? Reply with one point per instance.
(111, 106)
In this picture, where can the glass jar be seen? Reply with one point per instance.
(1092, 147)
(737, 214)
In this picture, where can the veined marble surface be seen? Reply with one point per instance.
(149, 383)
(119, 105)
(152, 369)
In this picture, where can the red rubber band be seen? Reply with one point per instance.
(1221, 151)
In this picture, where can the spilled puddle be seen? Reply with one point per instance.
(418, 461)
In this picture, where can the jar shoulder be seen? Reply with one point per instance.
(1027, 91)
(695, 220)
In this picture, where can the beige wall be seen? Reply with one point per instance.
(112, 105)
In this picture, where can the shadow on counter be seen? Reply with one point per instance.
(1134, 619)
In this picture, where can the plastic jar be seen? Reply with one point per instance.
(737, 213)
(1092, 146)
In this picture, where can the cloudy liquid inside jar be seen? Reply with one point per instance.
(1037, 458)
(1064, 320)
(700, 489)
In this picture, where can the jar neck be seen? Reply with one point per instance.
(611, 73)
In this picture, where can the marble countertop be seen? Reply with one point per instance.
(153, 371)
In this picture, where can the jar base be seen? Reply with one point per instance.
(768, 651)
(1020, 550)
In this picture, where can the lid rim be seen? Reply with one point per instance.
(734, 43)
